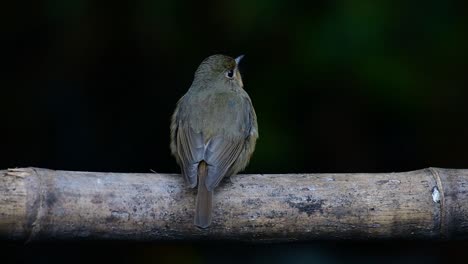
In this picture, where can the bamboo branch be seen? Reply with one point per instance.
(41, 204)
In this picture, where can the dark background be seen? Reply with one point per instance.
(338, 86)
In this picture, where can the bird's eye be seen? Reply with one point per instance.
(230, 74)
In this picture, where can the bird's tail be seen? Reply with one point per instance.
(204, 198)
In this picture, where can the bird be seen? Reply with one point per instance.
(213, 130)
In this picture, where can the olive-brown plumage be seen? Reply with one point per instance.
(213, 130)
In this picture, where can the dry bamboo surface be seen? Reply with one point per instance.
(41, 204)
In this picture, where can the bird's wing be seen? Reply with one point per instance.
(190, 148)
(220, 154)
(227, 155)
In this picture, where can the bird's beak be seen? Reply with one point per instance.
(238, 59)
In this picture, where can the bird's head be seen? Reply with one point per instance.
(219, 70)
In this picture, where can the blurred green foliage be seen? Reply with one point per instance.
(338, 85)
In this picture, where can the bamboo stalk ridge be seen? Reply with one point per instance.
(42, 204)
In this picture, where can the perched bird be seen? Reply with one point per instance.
(213, 130)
